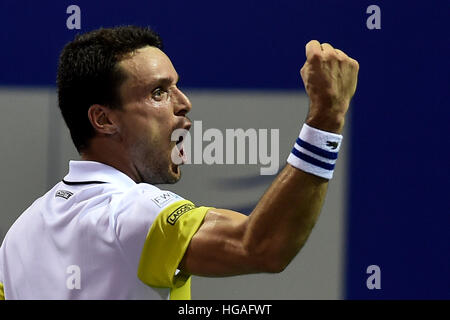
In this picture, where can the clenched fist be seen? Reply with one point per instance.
(330, 78)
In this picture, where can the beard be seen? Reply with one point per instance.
(159, 172)
(155, 167)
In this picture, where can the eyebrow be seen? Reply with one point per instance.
(166, 80)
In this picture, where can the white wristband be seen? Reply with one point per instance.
(315, 151)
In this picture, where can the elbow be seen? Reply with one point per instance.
(275, 266)
(271, 253)
(269, 259)
(277, 260)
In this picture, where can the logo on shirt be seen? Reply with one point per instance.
(174, 216)
(163, 198)
(63, 194)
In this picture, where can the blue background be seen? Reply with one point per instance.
(398, 206)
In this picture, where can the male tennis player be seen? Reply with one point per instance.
(107, 232)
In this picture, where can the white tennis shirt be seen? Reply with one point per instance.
(99, 235)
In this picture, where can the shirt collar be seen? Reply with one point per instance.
(81, 172)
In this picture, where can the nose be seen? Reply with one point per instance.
(182, 104)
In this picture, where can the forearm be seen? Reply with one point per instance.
(229, 243)
(284, 217)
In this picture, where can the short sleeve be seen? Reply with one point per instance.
(166, 243)
(134, 215)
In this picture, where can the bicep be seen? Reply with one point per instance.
(218, 246)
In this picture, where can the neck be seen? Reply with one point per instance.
(112, 155)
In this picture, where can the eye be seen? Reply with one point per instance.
(159, 94)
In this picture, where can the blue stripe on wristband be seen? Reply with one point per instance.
(316, 150)
(314, 161)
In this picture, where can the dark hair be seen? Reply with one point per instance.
(88, 73)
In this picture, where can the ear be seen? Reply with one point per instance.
(102, 120)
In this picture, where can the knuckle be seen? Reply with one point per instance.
(341, 55)
(354, 64)
(331, 56)
(313, 43)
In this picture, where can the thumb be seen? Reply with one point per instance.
(313, 50)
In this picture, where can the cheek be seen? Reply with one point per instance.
(158, 132)
(161, 121)
(152, 125)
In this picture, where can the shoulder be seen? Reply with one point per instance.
(149, 198)
(136, 211)
(139, 207)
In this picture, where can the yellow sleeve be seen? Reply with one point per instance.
(165, 245)
(2, 293)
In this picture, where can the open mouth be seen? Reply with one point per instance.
(178, 153)
(180, 148)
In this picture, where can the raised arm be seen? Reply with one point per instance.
(230, 243)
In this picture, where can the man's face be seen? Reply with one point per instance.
(152, 108)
